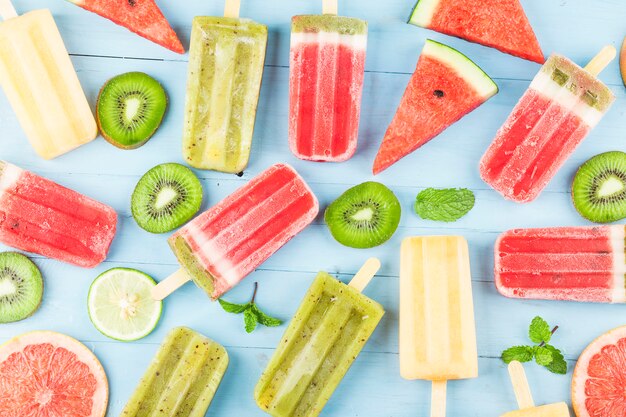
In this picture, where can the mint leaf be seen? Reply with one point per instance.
(232, 307)
(543, 356)
(264, 319)
(539, 331)
(446, 205)
(558, 364)
(250, 319)
(518, 353)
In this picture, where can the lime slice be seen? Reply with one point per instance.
(121, 306)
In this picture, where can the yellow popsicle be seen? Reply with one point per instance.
(437, 330)
(41, 84)
(551, 410)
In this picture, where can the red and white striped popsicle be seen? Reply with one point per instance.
(562, 263)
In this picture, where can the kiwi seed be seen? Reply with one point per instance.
(365, 216)
(130, 109)
(599, 188)
(21, 287)
(166, 197)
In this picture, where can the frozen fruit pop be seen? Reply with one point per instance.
(325, 336)
(140, 16)
(437, 331)
(40, 216)
(562, 263)
(182, 378)
(562, 105)
(40, 82)
(226, 61)
(325, 84)
(525, 399)
(223, 245)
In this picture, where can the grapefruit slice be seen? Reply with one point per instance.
(48, 374)
(498, 24)
(140, 16)
(599, 381)
(446, 86)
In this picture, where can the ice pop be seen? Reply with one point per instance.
(226, 59)
(181, 379)
(562, 263)
(437, 331)
(40, 216)
(227, 242)
(562, 105)
(325, 336)
(39, 81)
(325, 84)
(525, 399)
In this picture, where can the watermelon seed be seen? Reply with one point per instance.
(439, 93)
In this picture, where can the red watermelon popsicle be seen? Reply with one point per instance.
(562, 105)
(40, 216)
(445, 86)
(326, 84)
(562, 263)
(223, 245)
(140, 16)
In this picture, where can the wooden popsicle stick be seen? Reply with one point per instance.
(7, 11)
(365, 274)
(231, 9)
(520, 385)
(438, 399)
(600, 61)
(330, 7)
(170, 284)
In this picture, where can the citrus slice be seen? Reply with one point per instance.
(599, 381)
(121, 306)
(53, 375)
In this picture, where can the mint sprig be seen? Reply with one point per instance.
(544, 354)
(252, 314)
(445, 205)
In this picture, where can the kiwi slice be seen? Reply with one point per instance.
(21, 287)
(365, 216)
(166, 197)
(130, 109)
(599, 188)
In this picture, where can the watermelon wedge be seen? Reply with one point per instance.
(140, 16)
(445, 86)
(498, 24)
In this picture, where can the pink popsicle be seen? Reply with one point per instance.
(561, 106)
(40, 216)
(562, 263)
(325, 86)
(223, 245)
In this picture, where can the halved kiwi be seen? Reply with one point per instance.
(599, 188)
(166, 197)
(365, 216)
(21, 287)
(130, 109)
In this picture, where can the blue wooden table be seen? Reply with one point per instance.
(373, 386)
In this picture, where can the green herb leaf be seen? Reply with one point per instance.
(539, 331)
(518, 353)
(446, 205)
(543, 356)
(558, 364)
(232, 307)
(250, 319)
(264, 319)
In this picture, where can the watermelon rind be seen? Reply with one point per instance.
(465, 67)
(423, 12)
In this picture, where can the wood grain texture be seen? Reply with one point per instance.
(373, 387)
